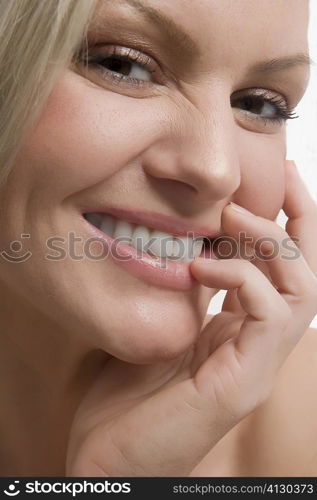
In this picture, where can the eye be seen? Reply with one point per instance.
(125, 67)
(258, 106)
(121, 65)
(263, 105)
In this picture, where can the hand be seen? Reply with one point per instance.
(161, 420)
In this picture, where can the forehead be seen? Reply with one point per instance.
(252, 28)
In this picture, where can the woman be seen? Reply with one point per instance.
(150, 126)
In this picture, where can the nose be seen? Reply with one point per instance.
(197, 146)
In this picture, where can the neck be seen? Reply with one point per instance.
(44, 374)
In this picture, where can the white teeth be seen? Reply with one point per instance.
(198, 246)
(123, 231)
(183, 248)
(153, 242)
(107, 225)
(140, 238)
(161, 244)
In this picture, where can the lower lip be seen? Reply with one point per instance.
(153, 270)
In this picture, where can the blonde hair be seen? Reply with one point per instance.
(37, 39)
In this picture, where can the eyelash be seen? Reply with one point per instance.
(259, 97)
(124, 54)
(264, 96)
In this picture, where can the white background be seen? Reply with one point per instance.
(302, 138)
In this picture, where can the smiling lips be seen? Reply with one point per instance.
(154, 242)
(140, 244)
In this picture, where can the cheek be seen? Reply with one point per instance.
(262, 185)
(85, 135)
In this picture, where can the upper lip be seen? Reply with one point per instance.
(161, 222)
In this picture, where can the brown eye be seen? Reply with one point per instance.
(263, 106)
(253, 105)
(120, 65)
(116, 65)
(124, 67)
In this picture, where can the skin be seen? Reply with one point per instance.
(68, 339)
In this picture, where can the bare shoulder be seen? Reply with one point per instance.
(304, 357)
(298, 376)
(312, 333)
(286, 424)
(280, 437)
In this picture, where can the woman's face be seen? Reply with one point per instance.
(195, 119)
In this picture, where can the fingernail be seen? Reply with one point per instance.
(239, 209)
(202, 260)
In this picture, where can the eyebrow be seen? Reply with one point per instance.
(282, 63)
(172, 30)
(187, 44)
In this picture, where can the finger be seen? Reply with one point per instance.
(263, 342)
(301, 210)
(287, 266)
(238, 274)
(231, 301)
(221, 328)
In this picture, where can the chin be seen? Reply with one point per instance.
(144, 328)
(98, 308)
(161, 343)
